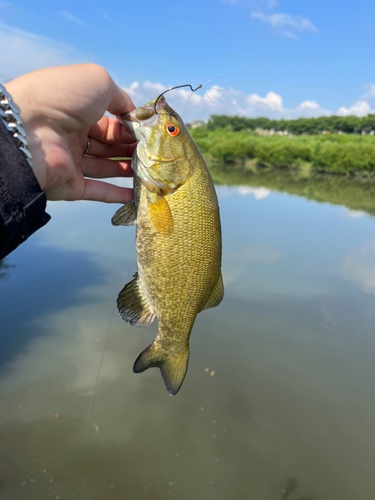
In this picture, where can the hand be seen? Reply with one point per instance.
(60, 108)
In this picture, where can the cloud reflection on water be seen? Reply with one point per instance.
(359, 266)
(355, 214)
(235, 262)
(226, 191)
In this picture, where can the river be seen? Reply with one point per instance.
(279, 400)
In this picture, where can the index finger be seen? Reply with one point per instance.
(120, 102)
(108, 129)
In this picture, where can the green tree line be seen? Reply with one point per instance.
(345, 154)
(312, 126)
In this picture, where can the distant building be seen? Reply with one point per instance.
(196, 123)
(269, 132)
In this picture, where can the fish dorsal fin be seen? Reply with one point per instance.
(126, 215)
(133, 306)
(217, 294)
(160, 213)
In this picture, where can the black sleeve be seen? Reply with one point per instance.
(22, 202)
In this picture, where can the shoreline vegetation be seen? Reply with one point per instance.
(345, 146)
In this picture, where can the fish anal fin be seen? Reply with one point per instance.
(173, 366)
(217, 294)
(133, 306)
(160, 214)
(126, 215)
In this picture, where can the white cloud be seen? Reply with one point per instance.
(291, 35)
(359, 108)
(73, 19)
(22, 51)
(309, 105)
(272, 102)
(271, 4)
(364, 105)
(281, 20)
(154, 87)
(106, 16)
(310, 109)
(369, 95)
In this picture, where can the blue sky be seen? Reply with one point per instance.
(277, 58)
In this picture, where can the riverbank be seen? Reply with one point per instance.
(347, 154)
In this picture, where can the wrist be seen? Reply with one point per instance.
(9, 115)
(28, 113)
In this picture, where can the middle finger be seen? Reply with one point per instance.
(102, 150)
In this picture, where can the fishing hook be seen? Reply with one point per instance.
(173, 88)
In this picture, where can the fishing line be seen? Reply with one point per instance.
(187, 104)
(105, 348)
(205, 93)
(173, 88)
(98, 374)
(218, 89)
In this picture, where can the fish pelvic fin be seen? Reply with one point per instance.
(173, 366)
(133, 306)
(126, 215)
(217, 293)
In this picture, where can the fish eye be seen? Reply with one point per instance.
(172, 129)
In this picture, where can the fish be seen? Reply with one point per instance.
(178, 238)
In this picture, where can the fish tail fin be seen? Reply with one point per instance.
(173, 366)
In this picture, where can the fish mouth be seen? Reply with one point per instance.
(161, 160)
(143, 116)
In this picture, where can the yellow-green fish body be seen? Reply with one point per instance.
(178, 240)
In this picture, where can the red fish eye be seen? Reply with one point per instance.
(172, 129)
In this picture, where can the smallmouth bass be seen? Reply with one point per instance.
(178, 238)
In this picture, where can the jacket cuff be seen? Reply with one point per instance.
(22, 202)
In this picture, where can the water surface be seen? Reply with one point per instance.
(278, 402)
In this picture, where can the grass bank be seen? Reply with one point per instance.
(337, 154)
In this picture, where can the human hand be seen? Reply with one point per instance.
(60, 108)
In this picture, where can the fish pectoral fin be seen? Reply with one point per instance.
(133, 306)
(126, 215)
(217, 294)
(160, 213)
(173, 366)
